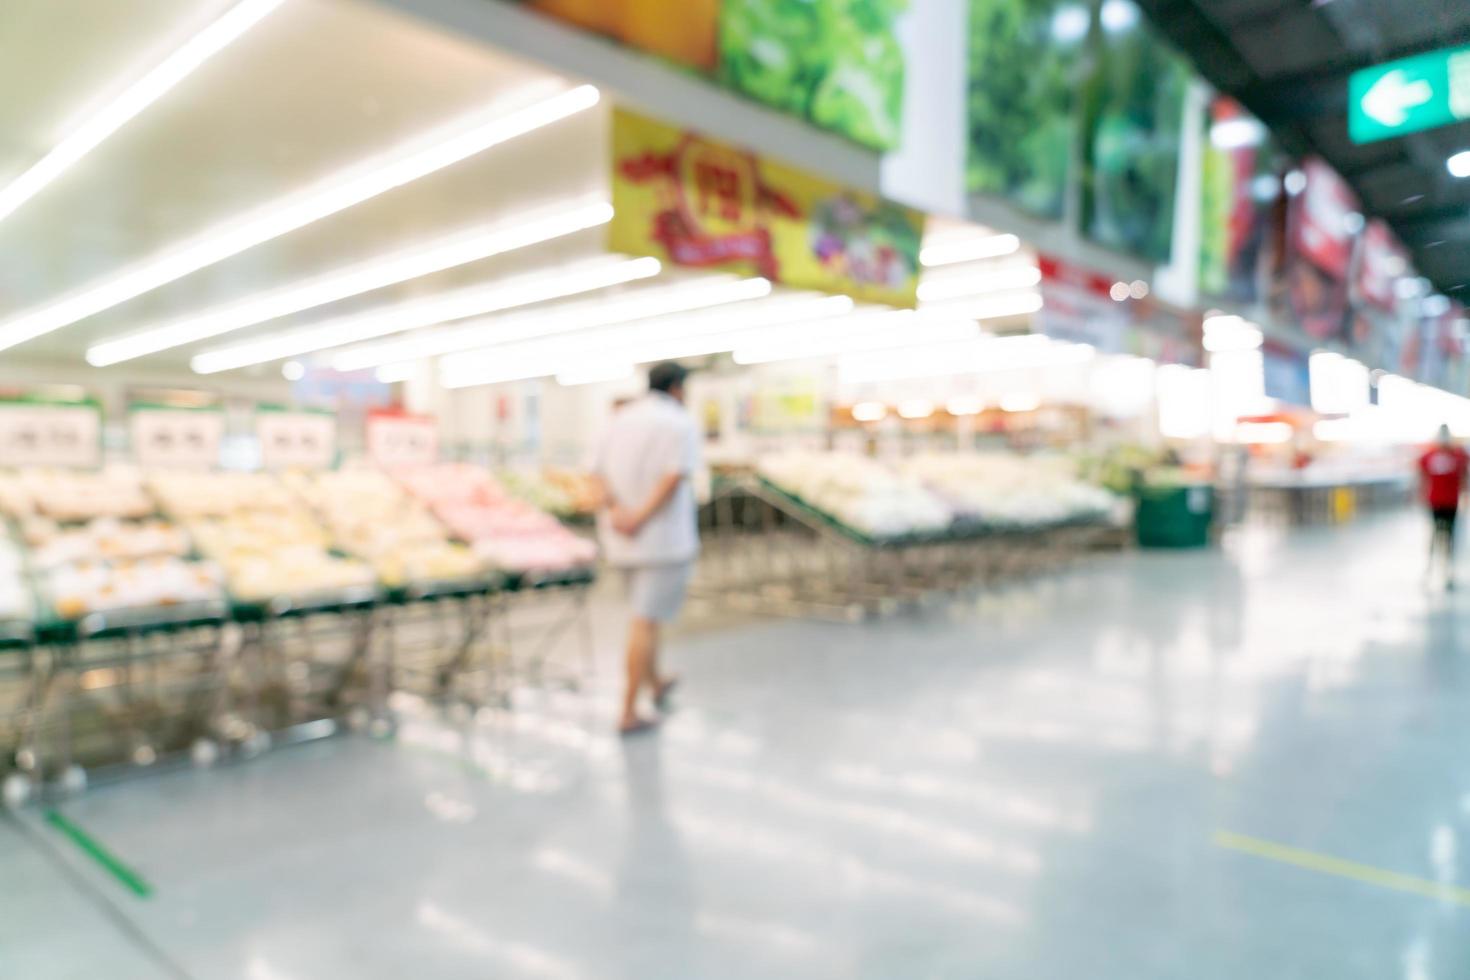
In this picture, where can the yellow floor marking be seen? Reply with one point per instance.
(1328, 865)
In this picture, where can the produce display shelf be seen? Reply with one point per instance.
(963, 529)
(109, 623)
(352, 599)
(17, 633)
(437, 590)
(556, 579)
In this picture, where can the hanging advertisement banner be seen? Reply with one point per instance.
(175, 438)
(839, 66)
(1025, 56)
(692, 201)
(1132, 130)
(43, 433)
(1323, 222)
(1239, 193)
(1382, 263)
(396, 440)
(1077, 307)
(296, 440)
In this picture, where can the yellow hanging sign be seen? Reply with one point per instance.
(695, 202)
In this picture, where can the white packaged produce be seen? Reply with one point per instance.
(859, 492)
(105, 538)
(15, 593)
(266, 539)
(1008, 489)
(371, 517)
(75, 495)
(208, 494)
(90, 587)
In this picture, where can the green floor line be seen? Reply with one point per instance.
(129, 878)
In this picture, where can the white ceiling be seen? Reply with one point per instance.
(317, 86)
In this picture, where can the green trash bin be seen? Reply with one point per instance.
(1174, 516)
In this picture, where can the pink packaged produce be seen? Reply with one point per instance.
(504, 530)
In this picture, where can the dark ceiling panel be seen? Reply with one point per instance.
(1289, 61)
(1295, 41)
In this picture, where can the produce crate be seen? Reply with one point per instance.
(1175, 516)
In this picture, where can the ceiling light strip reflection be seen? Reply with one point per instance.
(563, 319)
(460, 304)
(673, 337)
(386, 270)
(336, 193)
(134, 99)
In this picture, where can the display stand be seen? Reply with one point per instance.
(767, 551)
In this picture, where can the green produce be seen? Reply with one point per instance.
(836, 62)
(1025, 56)
(1133, 114)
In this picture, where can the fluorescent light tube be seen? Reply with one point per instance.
(955, 287)
(385, 270)
(491, 297)
(969, 250)
(672, 337)
(564, 318)
(336, 193)
(133, 100)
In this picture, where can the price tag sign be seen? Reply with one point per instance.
(397, 441)
(296, 440)
(39, 434)
(171, 438)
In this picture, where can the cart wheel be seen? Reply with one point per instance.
(204, 752)
(16, 790)
(73, 780)
(145, 755)
(383, 727)
(256, 743)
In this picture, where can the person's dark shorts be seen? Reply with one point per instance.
(1444, 518)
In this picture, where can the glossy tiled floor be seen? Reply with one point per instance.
(1031, 787)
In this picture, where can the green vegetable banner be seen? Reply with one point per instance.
(836, 63)
(1025, 56)
(1132, 122)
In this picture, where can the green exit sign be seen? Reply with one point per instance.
(1405, 96)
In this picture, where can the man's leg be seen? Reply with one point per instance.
(1449, 549)
(642, 657)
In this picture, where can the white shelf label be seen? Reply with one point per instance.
(175, 438)
(50, 435)
(397, 441)
(296, 440)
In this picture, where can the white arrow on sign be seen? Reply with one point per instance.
(1392, 96)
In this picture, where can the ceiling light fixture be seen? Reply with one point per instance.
(969, 250)
(662, 339)
(457, 305)
(385, 270)
(999, 307)
(847, 335)
(1238, 133)
(337, 192)
(955, 287)
(1459, 164)
(134, 99)
(561, 319)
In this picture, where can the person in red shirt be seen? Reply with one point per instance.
(1442, 471)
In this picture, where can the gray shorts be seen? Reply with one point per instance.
(656, 592)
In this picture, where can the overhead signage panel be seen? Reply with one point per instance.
(1409, 95)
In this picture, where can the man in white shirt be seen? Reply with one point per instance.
(648, 523)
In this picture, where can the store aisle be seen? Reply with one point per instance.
(1074, 777)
